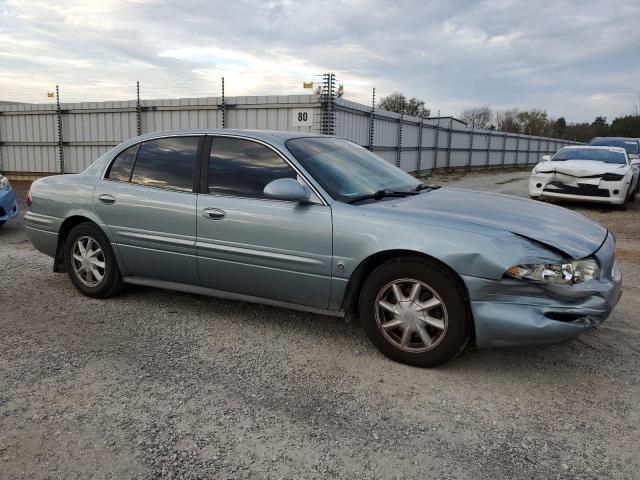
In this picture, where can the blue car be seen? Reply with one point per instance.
(8, 205)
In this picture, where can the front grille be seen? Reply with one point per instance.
(582, 189)
(2, 212)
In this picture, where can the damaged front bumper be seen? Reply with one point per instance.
(511, 312)
(591, 189)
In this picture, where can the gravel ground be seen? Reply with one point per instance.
(156, 384)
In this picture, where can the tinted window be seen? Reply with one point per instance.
(121, 167)
(166, 163)
(631, 146)
(243, 168)
(595, 154)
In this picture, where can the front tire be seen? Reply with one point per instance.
(414, 311)
(90, 262)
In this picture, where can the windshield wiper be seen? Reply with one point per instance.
(426, 187)
(380, 194)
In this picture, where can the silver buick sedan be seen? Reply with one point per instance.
(320, 224)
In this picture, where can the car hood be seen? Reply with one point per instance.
(556, 227)
(580, 168)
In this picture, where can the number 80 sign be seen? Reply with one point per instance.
(302, 117)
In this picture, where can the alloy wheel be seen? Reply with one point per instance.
(411, 315)
(88, 261)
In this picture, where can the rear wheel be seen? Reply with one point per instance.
(90, 262)
(414, 311)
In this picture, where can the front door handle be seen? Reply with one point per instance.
(107, 199)
(213, 213)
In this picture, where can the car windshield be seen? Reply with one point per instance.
(596, 154)
(346, 170)
(631, 146)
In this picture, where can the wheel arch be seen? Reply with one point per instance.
(67, 225)
(362, 271)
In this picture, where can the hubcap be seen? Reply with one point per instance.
(411, 315)
(88, 261)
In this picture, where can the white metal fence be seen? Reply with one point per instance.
(42, 138)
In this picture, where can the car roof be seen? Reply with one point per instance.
(267, 135)
(617, 138)
(595, 147)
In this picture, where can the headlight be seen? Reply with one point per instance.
(4, 183)
(560, 273)
(612, 177)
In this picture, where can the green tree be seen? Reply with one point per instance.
(534, 122)
(627, 126)
(560, 127)
(600, 127)
(397, 102)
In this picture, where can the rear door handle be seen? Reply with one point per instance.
(107, 199)
(213, 213)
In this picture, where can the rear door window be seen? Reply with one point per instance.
(166, 163)
(121, 167)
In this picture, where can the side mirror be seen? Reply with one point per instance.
(286, 189)
(546, 158)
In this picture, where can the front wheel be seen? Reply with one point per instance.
(90, 261)
(414, 311)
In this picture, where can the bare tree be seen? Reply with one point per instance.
(397, 102)
(507, 121)
(478, 117)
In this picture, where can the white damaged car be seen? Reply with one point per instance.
(586, 173)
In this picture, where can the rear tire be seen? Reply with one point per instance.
(428, 325)
(90, 261)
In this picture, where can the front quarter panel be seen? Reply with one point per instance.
(468, 250)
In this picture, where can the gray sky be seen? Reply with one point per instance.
(573, 58)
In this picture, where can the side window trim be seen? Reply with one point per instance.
(133, 164)
(204, 183)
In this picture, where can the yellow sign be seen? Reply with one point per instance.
(307, 84)
(50, 94)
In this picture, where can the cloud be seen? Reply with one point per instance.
(573, 58)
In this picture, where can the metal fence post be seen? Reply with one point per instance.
(59, 117)
(504, 148)
(529, 149)
(517, 150)
(372, 120)
(224, 108)
(420, 129)
(488, 149)
(470, 159)
(327, 104)
(435, 148)
(449, 143)
(138, 109)
(399, 152)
